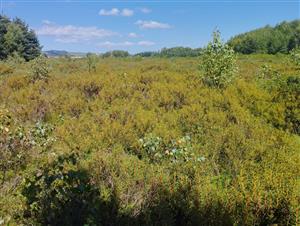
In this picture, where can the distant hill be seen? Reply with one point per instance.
(61, 53)
(278, 39)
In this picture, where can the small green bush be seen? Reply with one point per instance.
(61, 193)
(5, 69)
(15, 143)
(295, 56)
(91, 62)
(175, 151)
(268, 73)
(39, 69)
(218, 63)
(41, 133)
(14, 60)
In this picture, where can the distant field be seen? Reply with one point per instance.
(142, 141)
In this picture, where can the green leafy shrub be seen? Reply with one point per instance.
(288, 95)
(91, 62)
(218, 63)
(268, 73)
(15, 143)
(42, 134)
(5, 69)
(152, 146)
(15, 60)
(61, 193)
(283, 111)
(180, 150)
(295, 56)
(39, 69)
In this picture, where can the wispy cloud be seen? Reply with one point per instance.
(116, 12)
(152, 25)
(146, 10)
(146, 43)
(47, 22)
(71, 33)
(127, 12)
(111, 45)
(112, 12)
(133, 35)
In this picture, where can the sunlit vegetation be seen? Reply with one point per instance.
(182, 137)
(295, 56)
(146, 141)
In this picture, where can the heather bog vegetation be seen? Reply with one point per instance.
(206, 140)
(147, 142)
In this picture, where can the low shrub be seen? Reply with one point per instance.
(61, 193)
(295, 56)
(175, 151)
(39, 69)
(15, 145)
(5, 69)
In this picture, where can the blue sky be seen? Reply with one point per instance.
(144, 25)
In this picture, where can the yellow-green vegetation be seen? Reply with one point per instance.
(146, 142)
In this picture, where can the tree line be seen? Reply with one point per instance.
(165, 52)
(281, 38)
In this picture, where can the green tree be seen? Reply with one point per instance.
(218, 63)
(4, 21)
(91, 61)
(32, 47)
(16, 37)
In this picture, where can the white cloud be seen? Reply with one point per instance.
(152, 25)
(116, 12)
(112, 12)
(133, 35)
(47, 22)
(109, 44)
(67, 40)
(127, 12)
(145, 43)
(71, 33)
(146, 10)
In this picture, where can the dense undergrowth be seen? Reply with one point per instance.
(145, 142)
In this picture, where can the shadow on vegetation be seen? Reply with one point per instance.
(62, 193)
